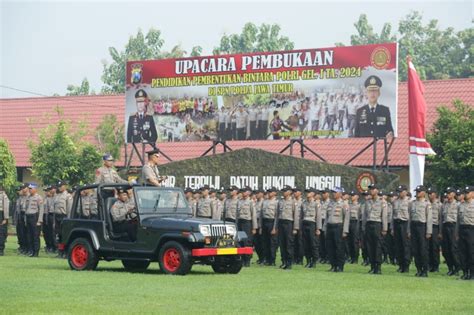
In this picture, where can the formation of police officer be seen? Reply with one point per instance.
(294, 222)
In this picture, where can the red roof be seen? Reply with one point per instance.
(16, 115)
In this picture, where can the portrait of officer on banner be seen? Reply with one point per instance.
(373, 119)
(141, 126)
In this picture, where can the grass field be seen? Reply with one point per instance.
(47, 285)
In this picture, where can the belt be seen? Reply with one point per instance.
(374, 222)
(334, 224)
(354, 220)
(399, 220)
(449, 223)
(285, 221)
(467, 226)
(308, 222)
(268, 220)
(418, 223)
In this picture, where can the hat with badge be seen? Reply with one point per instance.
(373, 82)
(402, 188)
(450, 190)
(205, 187)
(271, 189)
(187, 190)
(32, 186)
(141, 94)
(153, 152)
(122, 189)
(107, 157)
(459, 191)
(374, 186)
(353, 193)
(296, 189)
(47, 188)
(365, 193)
(420, 188)
(338, 189)
(286, 188)
(61, 183)
(431, 190)
(468, 189)
(232, 188)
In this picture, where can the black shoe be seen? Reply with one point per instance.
(332, 268)
(400, 269)
(424, 273)
(287, 266)
(406, 269)
(372, 269)
(308, 262)
(283, 266)
(1, 253)
(336, 269)
(378, 270)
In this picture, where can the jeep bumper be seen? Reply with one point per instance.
(202, 252)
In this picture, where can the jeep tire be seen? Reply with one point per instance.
(81, 255)
(174, 258)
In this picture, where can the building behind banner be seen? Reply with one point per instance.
(16, 129)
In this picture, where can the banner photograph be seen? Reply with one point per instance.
(337, 92)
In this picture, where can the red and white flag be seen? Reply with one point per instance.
(419, 147)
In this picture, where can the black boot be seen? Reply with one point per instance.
(465, 275)
(424, 272)
(450, 270)
(308, 262)
(418, 272)
(283, 265)
(332, 268)
(372, 268)
(400, 268)
(313, 263)
(378, 269)
(288, 265)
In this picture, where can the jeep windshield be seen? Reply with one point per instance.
(152, 200)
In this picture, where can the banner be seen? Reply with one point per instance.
(337, 92)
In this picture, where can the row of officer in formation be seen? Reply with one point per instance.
(384, 226)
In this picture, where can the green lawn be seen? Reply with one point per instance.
(47, 285)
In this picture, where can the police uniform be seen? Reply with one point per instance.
(107, 175)
(299, 246)
(34, 219)
(241, 124)
(336, 225)
(141, 127)
(230, 207)
(150, 171)
(373, 121)
(204, 208)
(374, 223)
(465, 226)
(311, 221)
(353, 236)
(287, 222)
(421, 225)
(322, 236)
(124, 217)
(269, 238)
(434, 242)
(48, 221)
(247, 222)
(400, 217)
(4, 208)
(257, 240)
(20, 208)
(62, 207)
(449, 246)
(89, 207)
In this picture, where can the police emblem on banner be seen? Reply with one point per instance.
(136, 77)
(364, 180)
(380, 58)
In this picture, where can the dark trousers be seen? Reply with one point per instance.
(299, 247)
(129, 227)
(388, 244)
(258, 245)
(58, 220)
(246, 226)
(33, 233)
(353, 240)
(335, 245)
(241, 133)
(270, 242)
(253, 129)
(433, 248)
(466, 247)
(285, 235)
(233, 131)
(310, 241)
(222, 133)
(449, 246)
(48, 233)
(419, 244)
(363, 243)
(21, 231)
(373, 232)
(322, 245)
(262, 129)
(402, 245)
(3, 236)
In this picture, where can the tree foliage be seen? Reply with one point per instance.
(139, 47)
(60, 152)
(83, 89)
(437, 53)
(110, 135)
(452, 138)
(8, 175)
(254, 38)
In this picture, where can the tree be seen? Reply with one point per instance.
(59, 152)
(452, 138)
(254, 39)
(438, 54)
(8, 175)
(83, 89)
(110, 135)
(139, 47)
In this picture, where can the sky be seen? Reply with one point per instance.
(47, 45)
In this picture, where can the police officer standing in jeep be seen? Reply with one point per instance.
(373, 119)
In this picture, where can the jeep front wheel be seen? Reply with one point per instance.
(81, 255)
(135, 265)
(175, 259)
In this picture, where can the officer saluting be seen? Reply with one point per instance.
(141, 127)
(373, 119)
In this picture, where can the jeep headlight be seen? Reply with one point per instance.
(230, 229)
(205, 230)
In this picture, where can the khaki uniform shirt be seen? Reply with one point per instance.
(120, 211)
(375, 211)
(4, 206)
(63, 203)
(338, 213)
(311, 212)
(107, 175)
(150, 172)
(230, 208)
(246, 211)
(420, 211)
(34, 205)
